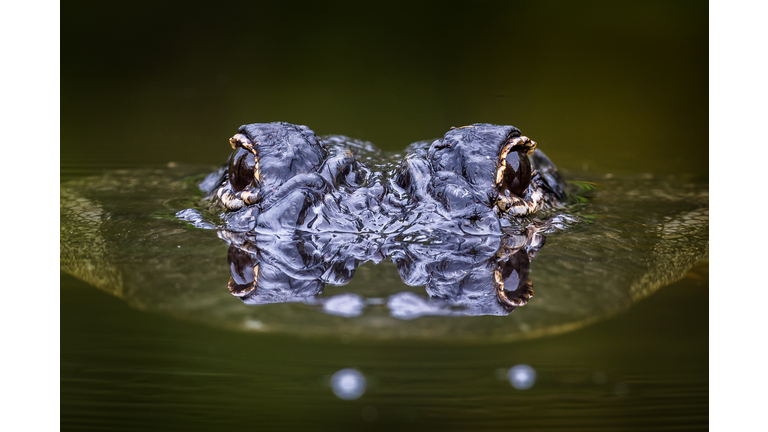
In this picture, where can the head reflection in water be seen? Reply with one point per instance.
(470, 275)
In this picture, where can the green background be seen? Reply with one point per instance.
(621, 87)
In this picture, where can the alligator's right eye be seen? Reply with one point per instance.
(241, 169)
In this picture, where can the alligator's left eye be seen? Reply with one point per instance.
(517, 173)
(241, 169)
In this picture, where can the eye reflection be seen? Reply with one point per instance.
(515, 288)
(243, 272)
(514, 271)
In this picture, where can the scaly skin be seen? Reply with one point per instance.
(455, 185)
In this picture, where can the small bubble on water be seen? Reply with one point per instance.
(178, 246)
(521, 376)
(178, 285)
(348, 384)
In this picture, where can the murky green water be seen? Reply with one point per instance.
(615, 343)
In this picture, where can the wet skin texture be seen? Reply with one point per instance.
(462, 215)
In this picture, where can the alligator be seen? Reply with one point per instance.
(454, 215)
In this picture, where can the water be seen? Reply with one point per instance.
(119, 233)
(613, 94)
(124, 369)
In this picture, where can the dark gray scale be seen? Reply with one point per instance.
(517, 174)
(241, 169)
(472, 152)
(285, 151)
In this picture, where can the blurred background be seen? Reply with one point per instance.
(618, 86)
(603, 87)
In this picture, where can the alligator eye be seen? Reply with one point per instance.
(517, 173)
(241, 169)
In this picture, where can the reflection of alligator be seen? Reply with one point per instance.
(301, 214)
(472, 275)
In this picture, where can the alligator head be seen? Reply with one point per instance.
(474, 181)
